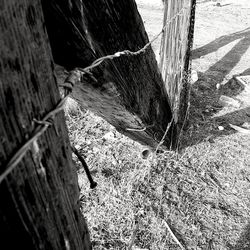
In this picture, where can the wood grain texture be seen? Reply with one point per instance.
(176, 47)
(39, 199)
(129, 92)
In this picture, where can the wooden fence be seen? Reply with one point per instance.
(175, 54)
(38, 184)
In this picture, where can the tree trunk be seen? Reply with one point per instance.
(39, 197)
(176, 47)
(129, 92)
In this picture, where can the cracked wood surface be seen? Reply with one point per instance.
(39, 198)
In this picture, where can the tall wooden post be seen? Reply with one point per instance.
(39, 198)
(129, 91)
(176, 45)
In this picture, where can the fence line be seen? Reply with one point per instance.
(74, 76)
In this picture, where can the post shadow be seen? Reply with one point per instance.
(204, 101)
(205, 97)
(219, 42)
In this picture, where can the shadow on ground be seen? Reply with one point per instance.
(207, 113)
(213, 46)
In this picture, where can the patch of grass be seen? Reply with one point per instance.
(202, 193)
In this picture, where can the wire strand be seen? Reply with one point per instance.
(69, 83)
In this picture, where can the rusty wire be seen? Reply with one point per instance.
(68, 85)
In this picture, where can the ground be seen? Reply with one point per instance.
(200, 195)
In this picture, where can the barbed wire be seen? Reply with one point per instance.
(100, 60)
(74, 76)
(39, 130)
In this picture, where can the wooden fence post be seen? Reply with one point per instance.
(176, 45)
(129, 91)
(39, 198)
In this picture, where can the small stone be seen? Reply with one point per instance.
(220, 128)
(109, 136)
(194, 76)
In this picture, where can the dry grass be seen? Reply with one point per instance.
(202, 192)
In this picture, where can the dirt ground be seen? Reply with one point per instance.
(201, 195)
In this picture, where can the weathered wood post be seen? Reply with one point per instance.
(39, 197)
(129, 91)
(176, 45)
